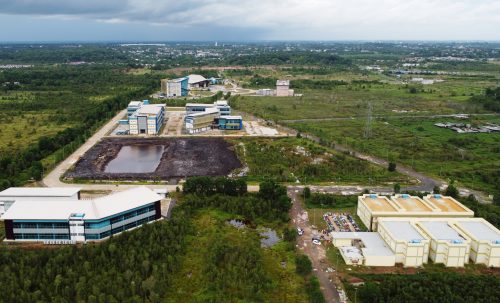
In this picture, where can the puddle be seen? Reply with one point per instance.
(136, 159)
(268, 237)
(237, 223)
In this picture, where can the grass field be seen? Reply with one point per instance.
(402, 130)
(191, 284)
(472, 159)
(292, 159)
(19, 131)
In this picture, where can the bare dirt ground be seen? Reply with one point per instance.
(182, 157)
(317, 253)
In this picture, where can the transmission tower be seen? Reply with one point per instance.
(369, 118)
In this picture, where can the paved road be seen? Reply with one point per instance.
(377, 117)
(52, 179)
(316, 253)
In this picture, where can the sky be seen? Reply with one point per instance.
(243, 20)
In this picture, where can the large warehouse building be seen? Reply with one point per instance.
(9, 196)
(74, 221)
(171, 88)
(453, 242)
(371, 207)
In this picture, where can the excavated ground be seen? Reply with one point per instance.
(182, 157)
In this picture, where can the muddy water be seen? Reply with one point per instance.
(136, 159)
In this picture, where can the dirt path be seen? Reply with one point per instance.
(317, 253)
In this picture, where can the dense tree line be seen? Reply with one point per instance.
(271, 203)
(490, 100)
(430, 287)
(208, 186)
(290, 58)
(19, 165)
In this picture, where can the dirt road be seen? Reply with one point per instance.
(316, 253)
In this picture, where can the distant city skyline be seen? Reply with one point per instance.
(257, 20)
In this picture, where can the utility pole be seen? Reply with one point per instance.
(369, 118)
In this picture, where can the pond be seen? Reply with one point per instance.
(136, 159)
(269, 237)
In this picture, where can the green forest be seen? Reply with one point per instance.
(428, 287)
(79, 99)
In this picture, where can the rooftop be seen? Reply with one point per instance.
(232, 117)
(440, 230)
(200, 105)
(481, 231)
(40, 192)
(411, 203)
(283, 82)
(196, 78)
(93, 209)
(150, 109)
(208, 111)
(378, 203)
(446, 204)
(374, 244)
(177, 80)
(402, 230)
(135, 103)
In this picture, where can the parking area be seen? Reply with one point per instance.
(340, 222)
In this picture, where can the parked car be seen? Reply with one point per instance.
(316, 241)
(300, 231)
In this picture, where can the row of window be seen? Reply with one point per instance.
(114, 220)
(61, 225)
(41, 236)
(119, 229)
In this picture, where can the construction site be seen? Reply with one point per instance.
(168, 159)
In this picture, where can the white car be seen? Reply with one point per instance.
(300, 231)
(316, 241)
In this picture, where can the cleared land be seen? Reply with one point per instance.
(292, 159)
(180, 158)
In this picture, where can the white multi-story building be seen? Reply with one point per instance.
(145, 118)
(72, 221)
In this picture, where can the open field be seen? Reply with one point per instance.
(291, 159)
(472, 159)
(144, 159)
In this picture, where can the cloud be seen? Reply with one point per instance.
(311, 19)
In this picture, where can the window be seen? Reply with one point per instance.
(116, 219)
(46, 236)
(61, 236)
(45, 225)
(92, 236)
(60, 225)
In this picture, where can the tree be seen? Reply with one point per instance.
(451, 191)
(397, 188)
(370, 292)
(496, 198)
(391, 167)
(307, 192)
(303, 265)
(436, 190)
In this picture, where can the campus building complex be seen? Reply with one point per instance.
(371, 207)
(145, 118)
(175, 87)
(202, 117)
(74, 221)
